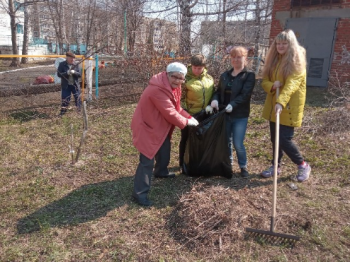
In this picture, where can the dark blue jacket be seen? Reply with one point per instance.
(241, 91)
(62, 72)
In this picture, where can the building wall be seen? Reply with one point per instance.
(340, 67)
(341, 57)
(158, 34)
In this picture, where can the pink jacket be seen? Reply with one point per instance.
(156, 116)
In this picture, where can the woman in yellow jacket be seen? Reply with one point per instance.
(285, 68)
(197, 92)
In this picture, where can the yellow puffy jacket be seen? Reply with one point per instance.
(292, 98)
(197, 91)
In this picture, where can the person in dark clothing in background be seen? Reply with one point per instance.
(69, 74)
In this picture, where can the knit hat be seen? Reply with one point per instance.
(177, 67)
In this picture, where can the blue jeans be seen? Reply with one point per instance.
(236, 129)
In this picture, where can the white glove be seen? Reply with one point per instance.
(278, 108)
(192, 122)
(209, 110)
(215, 104)
(71, 72)
(228, 108)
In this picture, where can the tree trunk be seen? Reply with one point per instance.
(90, 24)
(60, 48)
(224, 21)
(76, 29)
(257, 37)
(15, 60)
(55, 11)
(25, 35)
(185, 33)
(150, 44)
(131, 41)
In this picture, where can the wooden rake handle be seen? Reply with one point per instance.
(275, 166)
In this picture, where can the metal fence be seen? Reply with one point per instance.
(114, 79)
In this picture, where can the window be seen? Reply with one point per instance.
(17, 4)
(19, 28)
(296, 3)
(316, 67)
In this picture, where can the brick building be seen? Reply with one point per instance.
(323, 28)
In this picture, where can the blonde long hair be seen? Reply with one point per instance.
(293, 61)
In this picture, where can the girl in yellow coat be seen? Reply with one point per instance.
(285, 68)
(197, 92)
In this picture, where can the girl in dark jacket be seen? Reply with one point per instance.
(234, 91)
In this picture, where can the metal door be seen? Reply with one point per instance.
(317, 35)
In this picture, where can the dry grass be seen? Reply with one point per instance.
(54, 211)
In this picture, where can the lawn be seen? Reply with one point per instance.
(52, 210)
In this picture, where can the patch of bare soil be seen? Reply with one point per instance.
(16, 78)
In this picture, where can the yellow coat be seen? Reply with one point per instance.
(292, 98)
(197, 91)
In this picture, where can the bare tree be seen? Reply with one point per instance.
(57, 15)
(130, 13)
(12, 11)
(12, 14)
(90, 18)
(262, 12)
(190, 10)
(117, 23)
(25, 34)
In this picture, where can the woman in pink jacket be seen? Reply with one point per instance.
(155, 117)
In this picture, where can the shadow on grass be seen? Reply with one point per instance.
(84, 204)
(93, 201)
(25, 116)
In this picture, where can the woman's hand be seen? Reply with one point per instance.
(276, 85)
(192, 122)
(228, 108)
(215, 104)
(209, 109)
(278, 108)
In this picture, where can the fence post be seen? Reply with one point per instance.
(82, 80)
(258, 65)
(96, 74)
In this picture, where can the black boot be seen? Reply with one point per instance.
(142, 202)
(244, 172)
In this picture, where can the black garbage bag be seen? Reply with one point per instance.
(207, 151)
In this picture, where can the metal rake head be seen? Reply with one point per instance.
(272, 238)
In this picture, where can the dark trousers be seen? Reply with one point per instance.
(182, 145)
(143, 176)
(286, 144)
(66, 95)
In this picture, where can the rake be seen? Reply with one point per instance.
(270, 236)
